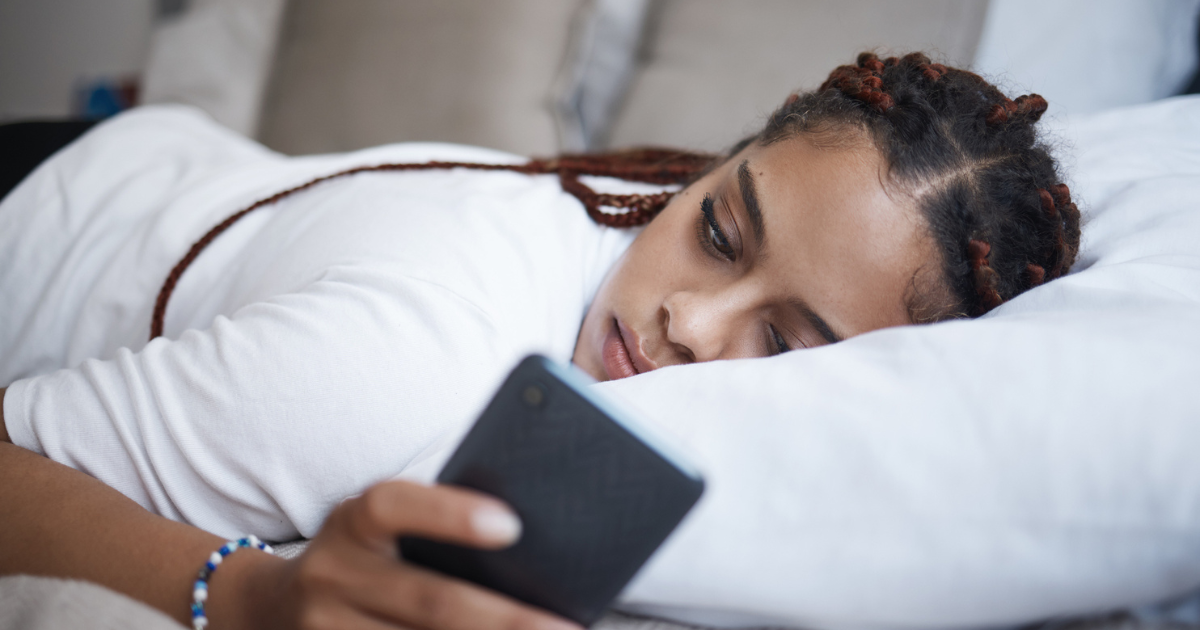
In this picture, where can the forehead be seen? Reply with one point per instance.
(837, 236)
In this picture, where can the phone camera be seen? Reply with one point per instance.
(534, 395)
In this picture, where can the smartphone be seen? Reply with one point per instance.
(596, 493)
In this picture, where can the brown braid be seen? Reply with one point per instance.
(990, 190)
(863, 81)
(1065, 215)
(1028, 105)
(652, 166)
(986, 278)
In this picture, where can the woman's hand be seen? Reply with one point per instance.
(351, 575)
(57, 521)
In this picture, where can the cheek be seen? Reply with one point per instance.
(624, 282)
(658, 260)
(650, 266)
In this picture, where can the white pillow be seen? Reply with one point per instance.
(1041, 461)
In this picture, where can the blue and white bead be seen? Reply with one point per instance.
(200, 587)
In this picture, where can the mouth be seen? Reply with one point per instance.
(620, 359)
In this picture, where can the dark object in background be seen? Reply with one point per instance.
(1194, 86)
(24, 145)
(596, 496)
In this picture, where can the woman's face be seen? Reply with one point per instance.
(782, 247)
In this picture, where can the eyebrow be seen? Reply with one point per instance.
(750, 200)
(818, 322)
(754, 210)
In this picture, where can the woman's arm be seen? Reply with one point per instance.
(60, 522)
(274, 413)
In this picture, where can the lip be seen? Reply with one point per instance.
(621, 353)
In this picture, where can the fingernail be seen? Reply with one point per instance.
(496, 524)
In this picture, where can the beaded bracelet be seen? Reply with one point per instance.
(200, 589)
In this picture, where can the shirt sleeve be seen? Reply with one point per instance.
(264, 421)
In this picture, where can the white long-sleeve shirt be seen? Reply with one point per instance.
(318, 346)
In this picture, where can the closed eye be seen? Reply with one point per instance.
(777, 342)
(712, 237)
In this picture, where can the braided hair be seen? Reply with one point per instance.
(989, 190)
(647, 165)
(970, 156)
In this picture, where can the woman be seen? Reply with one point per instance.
(901, 191)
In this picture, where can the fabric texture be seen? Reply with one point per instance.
(317, 347)
(352, 75)
(711, 71)
(215, 55)
(41, 603)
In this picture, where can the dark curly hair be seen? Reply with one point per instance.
(1001, 217)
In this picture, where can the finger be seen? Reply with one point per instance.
(342, 618)
(422, 598)
(453, 515)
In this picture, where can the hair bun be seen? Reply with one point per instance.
(1029, 107)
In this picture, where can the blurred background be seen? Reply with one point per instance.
(542, 76)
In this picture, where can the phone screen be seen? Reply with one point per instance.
(595, 491)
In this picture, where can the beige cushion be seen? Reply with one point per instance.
(217, 56)
(356, 73)
(715, 68)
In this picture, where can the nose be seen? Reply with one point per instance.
(699, 325)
